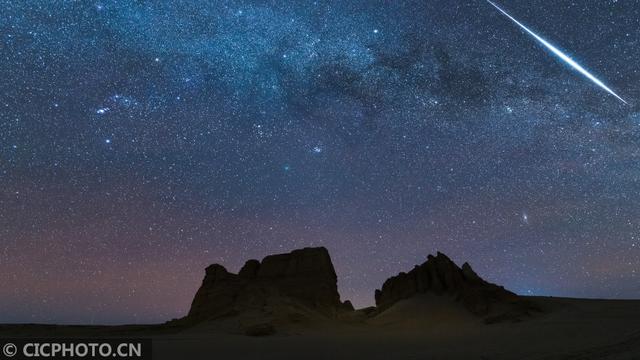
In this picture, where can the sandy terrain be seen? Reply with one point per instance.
(424, 327)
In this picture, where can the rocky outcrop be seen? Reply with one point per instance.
(304, 277)
(288, 290)
(441, 276)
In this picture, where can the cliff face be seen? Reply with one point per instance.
(301, 286)
(441, 276)
(305, 277)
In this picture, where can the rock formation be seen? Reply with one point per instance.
(302, 278)
(286, 291)
(439, 275)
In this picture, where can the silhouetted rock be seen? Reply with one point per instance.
(216, 295)
(347, 306)
(439, 275)
(250, 269)
(302, 279)
(264, 329)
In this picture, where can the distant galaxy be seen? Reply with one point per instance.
(141, 141)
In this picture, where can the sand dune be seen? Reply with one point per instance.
(423, 327)
(568, 329)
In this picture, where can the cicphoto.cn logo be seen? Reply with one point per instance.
(114, 349)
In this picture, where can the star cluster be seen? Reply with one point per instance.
(141, 141)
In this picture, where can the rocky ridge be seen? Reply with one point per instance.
(301, 286)
(302, 278)
(441, 276)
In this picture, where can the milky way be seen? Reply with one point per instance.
(141, 141)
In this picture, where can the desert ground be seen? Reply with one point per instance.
(422, 327)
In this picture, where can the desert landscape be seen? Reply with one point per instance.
(242, 179)
(287, 307)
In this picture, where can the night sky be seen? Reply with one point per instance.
(141, 141)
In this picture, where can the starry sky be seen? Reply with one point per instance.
(141, 141)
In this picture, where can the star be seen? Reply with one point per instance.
(315, 120)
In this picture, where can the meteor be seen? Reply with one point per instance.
(560, 54)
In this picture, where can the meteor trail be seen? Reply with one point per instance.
(560, 54)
